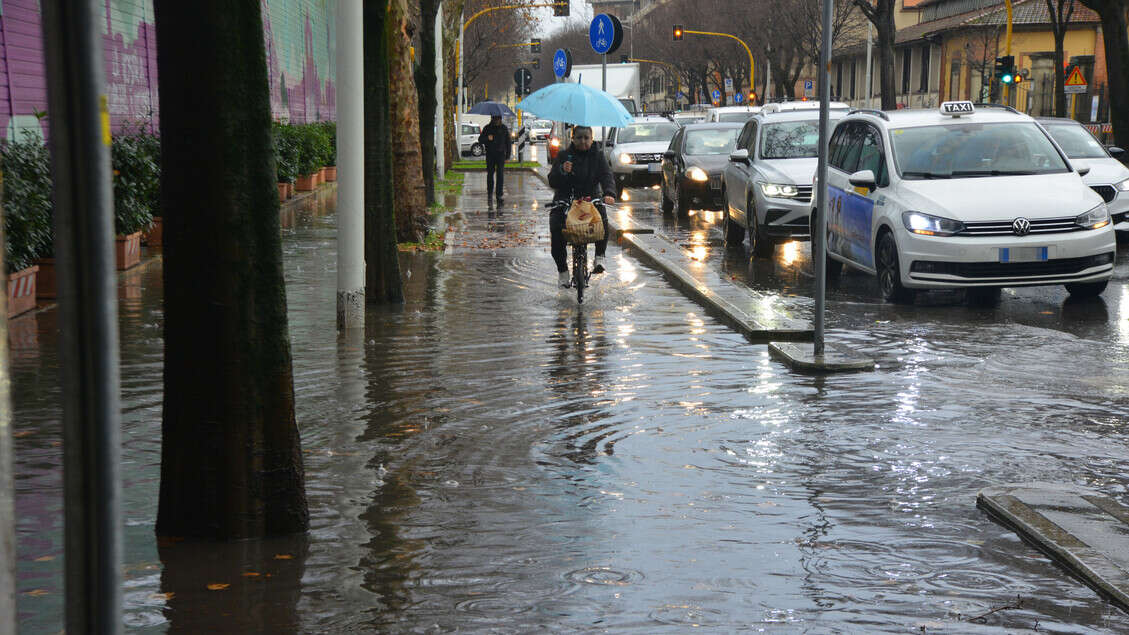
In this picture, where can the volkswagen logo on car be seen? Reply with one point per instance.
(1021, 226)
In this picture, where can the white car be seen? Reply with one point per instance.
(468, 140)
(635, 151)
(731, 114)
(790, 106)
(961, 197)
(1108, 176)
(540, 129)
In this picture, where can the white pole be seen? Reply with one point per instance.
(350, 167)
(767, 85)
(440, 101)
(819, 240)
(869, 79)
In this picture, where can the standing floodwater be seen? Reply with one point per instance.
(492, 457)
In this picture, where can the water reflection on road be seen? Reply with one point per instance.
(491, 457)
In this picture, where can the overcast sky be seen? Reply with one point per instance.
(581, 13)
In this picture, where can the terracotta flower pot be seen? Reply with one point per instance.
(46, 285)
(321, 176)
(289, 190)
(21, 291)
(306, 183)
(281, 192)
(128, 250)
(331, 173)
(154, 235)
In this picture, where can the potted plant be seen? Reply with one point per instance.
(286, 158)
(330, 129)
(137, 178)
(309, 157)
(26, 166)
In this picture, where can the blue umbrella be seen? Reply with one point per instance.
(577, 104)
(492, 108)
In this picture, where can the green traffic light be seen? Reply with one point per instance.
(1006, 79)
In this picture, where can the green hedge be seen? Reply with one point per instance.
(26, 167)
(135, 156)
(303, 148)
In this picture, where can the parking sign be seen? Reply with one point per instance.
(809, 88)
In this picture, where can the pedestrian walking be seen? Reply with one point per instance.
(495, 138)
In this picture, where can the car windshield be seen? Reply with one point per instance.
(974, 150)
(1076, 141)
(711, 141)
(644, 132)
(790, 140)
(734, 117)
(542, 123)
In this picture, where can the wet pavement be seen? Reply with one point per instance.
(492, 457)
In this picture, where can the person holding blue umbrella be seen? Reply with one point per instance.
(495, 138)
(579, 171)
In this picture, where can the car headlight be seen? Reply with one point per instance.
(929, 225)
(556, 143)
(625, 158)
(1122, 186)
(778, 190)
(1095, 218)
(697, 174)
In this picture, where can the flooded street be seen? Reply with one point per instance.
(492, 457)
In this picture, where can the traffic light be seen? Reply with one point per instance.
(561, 9)
(752, 97)
(536, 63)
(1005, 68)
(535, 45)
(623, 59)
(677, 32)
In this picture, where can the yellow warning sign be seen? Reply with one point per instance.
(1076, 78)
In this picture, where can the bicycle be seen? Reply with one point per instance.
(580, 274)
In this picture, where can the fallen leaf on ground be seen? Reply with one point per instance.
(218, 586)
(283, 556)
(36, 592)
(45, 558)
(250, 574)
(161, 596)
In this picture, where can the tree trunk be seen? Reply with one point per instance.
(425, 88)
(1116, 39)
(453, 16)
(411, 201)
(382, 261)
(885, 44)
(231, 462)
(1060, 74)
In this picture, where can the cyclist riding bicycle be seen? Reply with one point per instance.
(579, 171)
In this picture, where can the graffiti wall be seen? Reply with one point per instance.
(299, 37)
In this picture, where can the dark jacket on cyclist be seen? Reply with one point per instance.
(591, 175)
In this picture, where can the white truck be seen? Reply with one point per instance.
(623, 82)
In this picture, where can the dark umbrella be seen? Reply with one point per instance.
(492, 108)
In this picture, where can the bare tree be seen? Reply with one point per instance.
(881, 15)
(1060, 12)
(1115, 30)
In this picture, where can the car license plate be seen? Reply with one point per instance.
(654, 167)
(1023, 254)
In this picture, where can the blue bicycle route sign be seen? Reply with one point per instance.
(562, 64)
(601, 33)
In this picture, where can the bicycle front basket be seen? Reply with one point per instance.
(583, 224)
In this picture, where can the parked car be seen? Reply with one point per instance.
(789, 106)
(693, 164)
(636, 151)
(965, 196)
(1108, 176)
(731, 114)
(539, 130)
(468, 140)
(688, 117)
(768, 182)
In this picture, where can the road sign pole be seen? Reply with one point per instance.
(819, 240)
(604, 87)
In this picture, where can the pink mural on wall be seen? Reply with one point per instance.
(131, 70)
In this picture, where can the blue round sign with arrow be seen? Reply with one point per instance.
(601, 34)
(716, 94)
(562, 63)
(738, 98)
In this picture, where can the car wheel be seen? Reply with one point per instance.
(477, 150)
(734, 233)
(667, 203)
(833, 267)
(889, 272)
(682, 198)
(1085, 289)
(761, 244)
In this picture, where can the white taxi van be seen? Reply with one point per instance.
(964, 196)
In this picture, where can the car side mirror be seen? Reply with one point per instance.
(739, 156)
(1115, 151)
(609, 144)
(669, 154)
(863, 178)
(1083, 171)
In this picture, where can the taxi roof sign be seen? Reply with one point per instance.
(957, 108)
